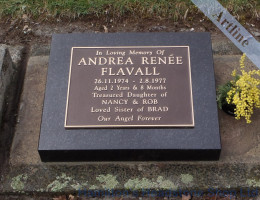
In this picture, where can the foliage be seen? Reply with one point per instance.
(51, 9)
(222, 94)
(244, 92)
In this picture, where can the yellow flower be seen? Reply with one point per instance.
(234, 73)
(245, 92)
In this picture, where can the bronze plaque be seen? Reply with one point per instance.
(132, 86)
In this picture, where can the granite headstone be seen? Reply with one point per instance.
(130, 96)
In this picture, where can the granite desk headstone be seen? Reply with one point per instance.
(130, 96)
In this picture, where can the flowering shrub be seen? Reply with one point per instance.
(244, 92)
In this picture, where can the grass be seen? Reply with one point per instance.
(173, 9)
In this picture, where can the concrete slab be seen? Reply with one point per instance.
(30, 111)
(224, 47)
(238, 167)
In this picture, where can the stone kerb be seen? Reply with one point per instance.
(7, 71)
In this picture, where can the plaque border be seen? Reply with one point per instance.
(129, 126)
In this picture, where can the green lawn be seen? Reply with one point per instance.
(173, 9)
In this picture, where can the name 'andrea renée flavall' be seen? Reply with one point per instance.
(111, 61)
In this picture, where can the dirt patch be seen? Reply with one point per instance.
(28, 31)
